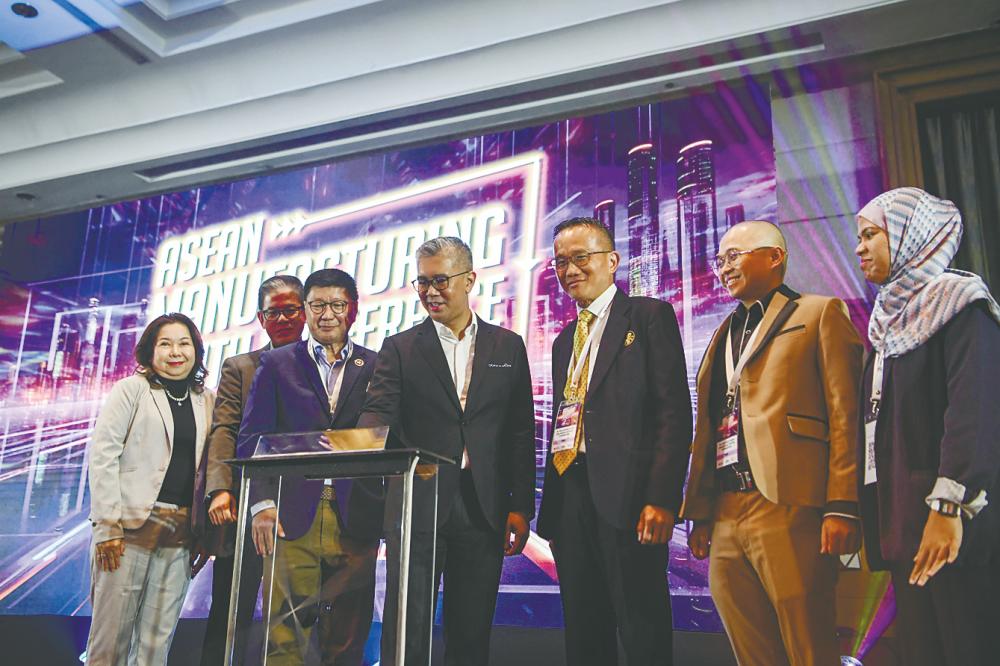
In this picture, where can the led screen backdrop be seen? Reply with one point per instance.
(667, 178)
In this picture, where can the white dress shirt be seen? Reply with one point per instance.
(600, 308)
(459, 354)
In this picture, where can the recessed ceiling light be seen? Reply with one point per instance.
(24, 10)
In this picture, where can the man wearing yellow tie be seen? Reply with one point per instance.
(619, 453)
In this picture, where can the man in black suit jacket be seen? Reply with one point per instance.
(613, 488)
(458, 386)
(280, 313)
(324, 559)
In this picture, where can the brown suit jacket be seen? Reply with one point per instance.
(798, 401)
(215, 474)
(234, 386)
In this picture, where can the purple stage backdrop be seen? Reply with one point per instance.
(667, 178)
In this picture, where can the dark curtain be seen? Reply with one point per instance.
(960, 144)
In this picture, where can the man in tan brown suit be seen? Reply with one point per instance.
(281, 314)
(772, 488)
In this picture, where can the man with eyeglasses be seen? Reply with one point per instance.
(323, 548)
(280, 314)
(621, 412)
(458, 386)
(772, 489)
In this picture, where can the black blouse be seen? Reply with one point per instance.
(178, 483)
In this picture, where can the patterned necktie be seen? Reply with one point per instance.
(563, 459)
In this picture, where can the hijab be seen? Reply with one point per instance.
(921, 294)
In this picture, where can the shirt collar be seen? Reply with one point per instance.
(319, 352)
(600, 304)
(740, 314)
(446, 333)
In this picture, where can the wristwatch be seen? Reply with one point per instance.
(945, 507)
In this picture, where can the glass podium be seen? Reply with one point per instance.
(330, 523)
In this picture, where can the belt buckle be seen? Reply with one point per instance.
(745, 480)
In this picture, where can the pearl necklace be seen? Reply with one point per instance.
(181, 399)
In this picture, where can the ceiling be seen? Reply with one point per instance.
(104, 100)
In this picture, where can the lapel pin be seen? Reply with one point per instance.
(359, 362)
(629, 338)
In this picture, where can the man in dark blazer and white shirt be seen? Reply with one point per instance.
(280, 313)
(324, 562)
(458, 386)
(613, 485)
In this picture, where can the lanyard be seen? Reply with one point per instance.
(576, 364)
(877, 380)
(333, 393)
(733, 372)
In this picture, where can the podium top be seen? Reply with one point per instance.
(334, 454)
(333, 465)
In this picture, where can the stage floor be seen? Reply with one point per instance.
(58, 640)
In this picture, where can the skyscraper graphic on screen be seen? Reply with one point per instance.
(734, 215)
(696, 215)
(644, 255)
(604, 212)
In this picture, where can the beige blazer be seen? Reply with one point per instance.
(799, 408)
(129, 453)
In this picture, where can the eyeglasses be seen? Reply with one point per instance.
(440, 282)
(319, 307)
(272, 314)
(581, 260)
(730, 257)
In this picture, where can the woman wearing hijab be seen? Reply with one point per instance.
(144, 454)
(929, 464)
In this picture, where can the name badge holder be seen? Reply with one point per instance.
(568, 415)
(567, 421)
(871, 418)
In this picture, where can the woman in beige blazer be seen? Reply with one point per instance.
(144, 455)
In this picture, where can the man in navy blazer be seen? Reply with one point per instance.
(324, 558)
(613, 488)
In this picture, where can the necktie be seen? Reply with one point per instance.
(563, 459)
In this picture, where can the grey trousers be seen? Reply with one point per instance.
(136, 607)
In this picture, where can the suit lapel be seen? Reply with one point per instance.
(430, 347)
(200, 427)
(562, 350)
(705, 369)
(351, 373)
(611, 339)
(312, 372)
(160, 399)
(485, 342)
(778, 312)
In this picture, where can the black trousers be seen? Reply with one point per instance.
(213, 648)
(951, 621)
(469, 556)
(612, 587)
